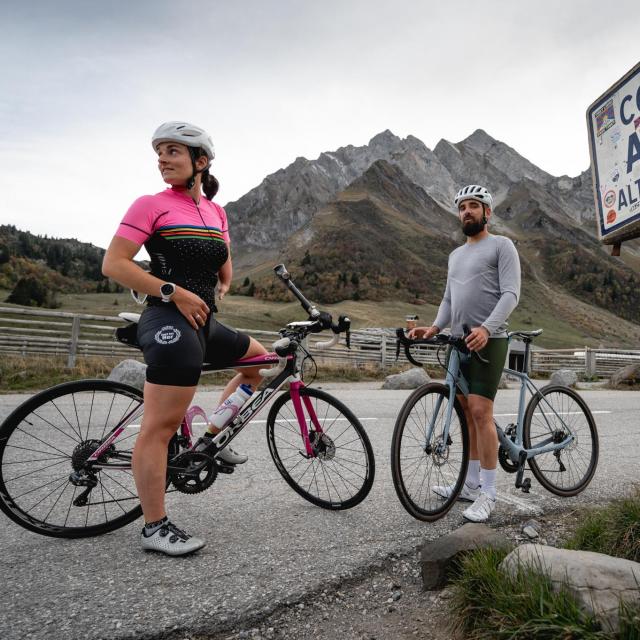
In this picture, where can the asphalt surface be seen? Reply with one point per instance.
(266, 546)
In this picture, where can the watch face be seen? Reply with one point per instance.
(167, 289)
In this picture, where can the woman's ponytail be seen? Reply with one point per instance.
(210, 184)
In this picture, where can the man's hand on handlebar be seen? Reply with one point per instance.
(418, 333)
(477, 338)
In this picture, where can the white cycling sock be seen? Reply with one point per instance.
(488, 482)
(473, 474)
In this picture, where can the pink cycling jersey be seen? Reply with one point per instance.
(187, 243)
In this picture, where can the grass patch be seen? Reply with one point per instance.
(39, 372)
(614, 529)
(33, 373)
(491, 605)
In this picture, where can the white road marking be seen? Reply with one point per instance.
(571, 413)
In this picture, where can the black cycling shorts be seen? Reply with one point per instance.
(175, 352)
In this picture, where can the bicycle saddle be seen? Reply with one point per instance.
(129, 317)
(525, 334)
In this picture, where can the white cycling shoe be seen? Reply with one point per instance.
(230, 456)
(481, 509)
(466, 493)
(227, 455)
(171, 540)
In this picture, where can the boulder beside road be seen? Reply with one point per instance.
(409, 379)
(564, 378)
(598, 581)
(628, 375)
(129, 372)
(437, 557)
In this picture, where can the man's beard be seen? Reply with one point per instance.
(471, 228)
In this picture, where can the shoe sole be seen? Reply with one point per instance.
(173, 555)
(458, 499)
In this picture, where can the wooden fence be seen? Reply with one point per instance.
(27, 332)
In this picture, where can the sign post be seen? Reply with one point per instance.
(613, 122)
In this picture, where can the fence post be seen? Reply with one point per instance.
(73, 345)
(383, 351)
(589, 362)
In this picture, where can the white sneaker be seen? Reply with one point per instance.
(171, 540)
(230, 456)
(466, 493)
(481, 509)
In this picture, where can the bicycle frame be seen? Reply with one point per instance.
(457, 383)
(222, 439)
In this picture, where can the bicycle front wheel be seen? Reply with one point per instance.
(52, 435)
(551, 416)
(428, 460)
(340, 473)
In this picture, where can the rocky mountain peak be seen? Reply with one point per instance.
(479, 141)
(385, 138)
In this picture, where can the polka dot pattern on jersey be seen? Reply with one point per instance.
(190, 257)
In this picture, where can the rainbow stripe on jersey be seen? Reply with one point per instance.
(185, 232)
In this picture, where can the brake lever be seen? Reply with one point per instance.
(466, 330)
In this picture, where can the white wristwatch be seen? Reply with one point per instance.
(167, 290)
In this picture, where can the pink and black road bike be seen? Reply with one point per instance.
(65, 454)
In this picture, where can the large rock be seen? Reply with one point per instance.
(409, 379)
(598, 581)
(564, 378)
(129, 372)
(626, 376)
(438, 557)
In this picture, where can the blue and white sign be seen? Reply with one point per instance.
(613, 121)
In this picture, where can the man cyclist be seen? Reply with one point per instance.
(483, 288)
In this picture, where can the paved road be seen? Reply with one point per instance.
(266, 545)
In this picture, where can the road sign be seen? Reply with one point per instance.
(613, 121)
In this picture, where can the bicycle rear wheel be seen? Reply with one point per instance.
(425, 461)
(552, 415)
(49, 437)
(341, 472)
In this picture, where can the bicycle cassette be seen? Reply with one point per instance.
(192, 472)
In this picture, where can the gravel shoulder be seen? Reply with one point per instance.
(386, 602)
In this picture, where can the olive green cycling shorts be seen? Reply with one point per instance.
(483, 379)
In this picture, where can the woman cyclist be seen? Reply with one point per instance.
(187, 238)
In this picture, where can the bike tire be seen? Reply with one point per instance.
(417, 466)
(341, 475)
(580, 457)
(52, 430)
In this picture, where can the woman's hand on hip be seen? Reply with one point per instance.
(191, 306)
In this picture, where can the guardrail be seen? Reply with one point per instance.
(25, 332)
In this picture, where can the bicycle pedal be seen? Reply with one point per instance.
(226, 468)
(526, 485)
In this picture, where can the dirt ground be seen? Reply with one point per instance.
(389, 603)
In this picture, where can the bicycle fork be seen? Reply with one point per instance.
(298, 400)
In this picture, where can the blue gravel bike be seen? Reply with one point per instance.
(554, 434)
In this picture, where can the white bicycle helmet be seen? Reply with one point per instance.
(473, 192)
(184, 133)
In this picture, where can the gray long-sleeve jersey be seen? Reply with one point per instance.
(483, 286)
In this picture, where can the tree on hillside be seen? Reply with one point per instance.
(29, 291)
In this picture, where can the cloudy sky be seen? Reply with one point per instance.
(83, 84)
